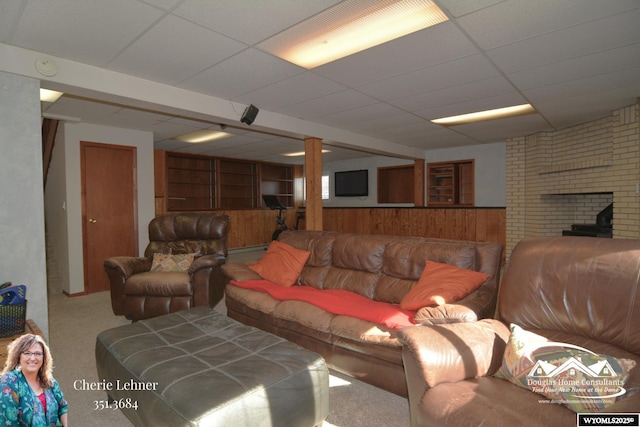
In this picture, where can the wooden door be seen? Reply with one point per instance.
(109, 208)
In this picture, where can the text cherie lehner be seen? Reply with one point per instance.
(109, 385)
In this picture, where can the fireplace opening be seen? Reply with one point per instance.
(603, 227)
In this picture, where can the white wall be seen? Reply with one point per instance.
(370, 163)
(490, 170)
(64, 198)
(490, 174)
(23, 259)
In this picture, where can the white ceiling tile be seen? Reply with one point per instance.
(487, 88)
(603, 34)
(249, 70)
(452, 73)
(565, 112)
(459, 8)
(584, 86)
(599, 63)
(330, 104)
(360, 114)
(163, 4)
(250, 21)
(296, 89)
(167, 52)
(500, 130)
(515, 20)
(87, 31)
(401, 56)
(10, 17)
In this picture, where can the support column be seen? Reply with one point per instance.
(313, 176)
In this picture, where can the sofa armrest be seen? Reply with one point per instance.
(240, 271)
(119, 269)
(127, 266)
(207, 280)
(205, 261)
(453, 352)
(446, 313)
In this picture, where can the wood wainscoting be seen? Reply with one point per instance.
(253, 227)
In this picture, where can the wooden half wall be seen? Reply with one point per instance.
(254, 227)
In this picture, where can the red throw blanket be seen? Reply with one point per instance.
(336, 301)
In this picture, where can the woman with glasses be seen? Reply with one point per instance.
(29, 395)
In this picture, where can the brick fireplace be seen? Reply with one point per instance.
(555, 179)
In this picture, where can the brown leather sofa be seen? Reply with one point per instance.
(379, 267)
(137, 293)
(578, 290)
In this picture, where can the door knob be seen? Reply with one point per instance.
(93, 220)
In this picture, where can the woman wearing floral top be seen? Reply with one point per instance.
(29, 395)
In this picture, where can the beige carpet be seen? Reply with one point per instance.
(75, 322)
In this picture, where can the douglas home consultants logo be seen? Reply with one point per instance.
(582, 375)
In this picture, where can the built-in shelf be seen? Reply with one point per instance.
(196, 182)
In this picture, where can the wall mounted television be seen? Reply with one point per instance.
(351, 183)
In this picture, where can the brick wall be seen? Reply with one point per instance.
(555, 179)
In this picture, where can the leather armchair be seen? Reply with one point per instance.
(576, 290)
(137, 293)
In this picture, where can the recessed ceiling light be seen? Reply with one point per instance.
(350, 27)
(203, 135)
(302, 153)
(498, 113)
(47, 95)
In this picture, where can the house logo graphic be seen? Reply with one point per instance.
(595, 379)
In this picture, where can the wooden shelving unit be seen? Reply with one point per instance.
(187, 182)
(278, 180)
(450, 183)
(238, 184)
(191, 183)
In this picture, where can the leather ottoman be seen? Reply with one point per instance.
(197, 367)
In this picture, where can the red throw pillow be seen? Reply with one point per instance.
(281, 264)
(441, 284)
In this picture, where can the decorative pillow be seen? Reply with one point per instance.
(168, 262)
(441, 284)
(565, 373)
(281, 264)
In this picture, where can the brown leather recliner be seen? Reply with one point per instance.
(577, 290)
(137, 293)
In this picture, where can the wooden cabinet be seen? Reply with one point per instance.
(187, 182)
(451, 183)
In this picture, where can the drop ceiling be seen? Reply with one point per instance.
(573, 60)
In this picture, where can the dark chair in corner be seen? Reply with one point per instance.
(137, 293)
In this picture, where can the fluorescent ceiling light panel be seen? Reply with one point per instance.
(47, 95)
(499, 113)
(350, 27)
(302, 153)
(204, 135)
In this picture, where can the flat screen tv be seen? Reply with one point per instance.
(352, 183)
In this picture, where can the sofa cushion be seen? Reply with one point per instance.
(167, 262)
(404, 263)
(583, 380)
(281, 263)
(320, 245)
(442, 284)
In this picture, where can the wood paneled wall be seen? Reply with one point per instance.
(478, 224)
(254, 227)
